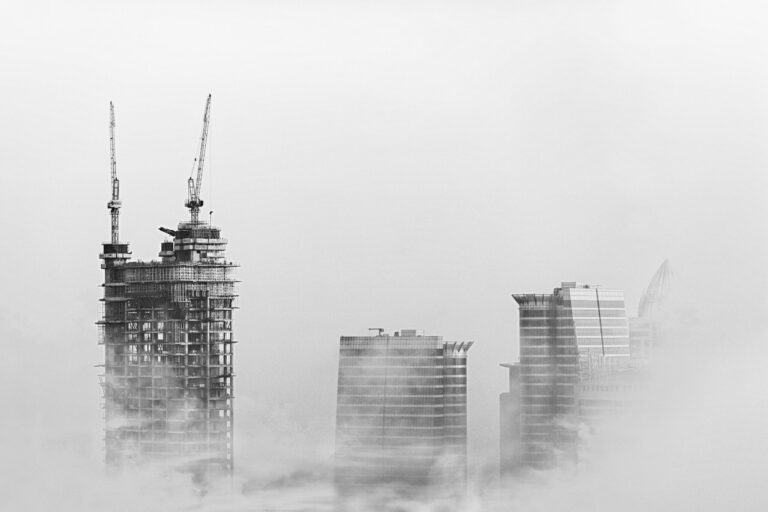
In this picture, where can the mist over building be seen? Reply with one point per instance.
(401, 417)
(168, 344)
(648, 329)
(572, 343)
(510, 434)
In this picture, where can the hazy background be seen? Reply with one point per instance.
(379, 164)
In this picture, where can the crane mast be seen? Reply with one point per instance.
(193, 201)
(114, 204)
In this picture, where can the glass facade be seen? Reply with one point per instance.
(401, 411)
(576, 334)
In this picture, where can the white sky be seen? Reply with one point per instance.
(376, 164)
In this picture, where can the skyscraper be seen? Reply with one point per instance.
(647, 329)
(167, 334)
(576, 334)
(401, 411)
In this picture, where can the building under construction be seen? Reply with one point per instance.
(167, 334)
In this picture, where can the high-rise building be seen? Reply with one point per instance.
(166, 329)
(575, 335)
(647, 329)
(401, 412)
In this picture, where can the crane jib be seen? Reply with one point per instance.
(203, 143)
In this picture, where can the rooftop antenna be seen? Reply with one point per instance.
(114, 204)
(193, 201)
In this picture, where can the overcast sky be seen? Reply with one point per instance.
(375, 164)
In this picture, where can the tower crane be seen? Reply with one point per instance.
(114, 204)
(193, 200)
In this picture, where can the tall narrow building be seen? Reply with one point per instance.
(575, 335)
(167, 335)
(401, 416)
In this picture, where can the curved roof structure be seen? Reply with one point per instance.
(657, 291)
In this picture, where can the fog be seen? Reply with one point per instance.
(396, 165)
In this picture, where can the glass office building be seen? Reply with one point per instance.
(401, 412)
(574, 335)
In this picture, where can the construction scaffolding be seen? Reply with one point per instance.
(166, 328)
(168, 366)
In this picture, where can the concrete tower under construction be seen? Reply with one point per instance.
(166, 328)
